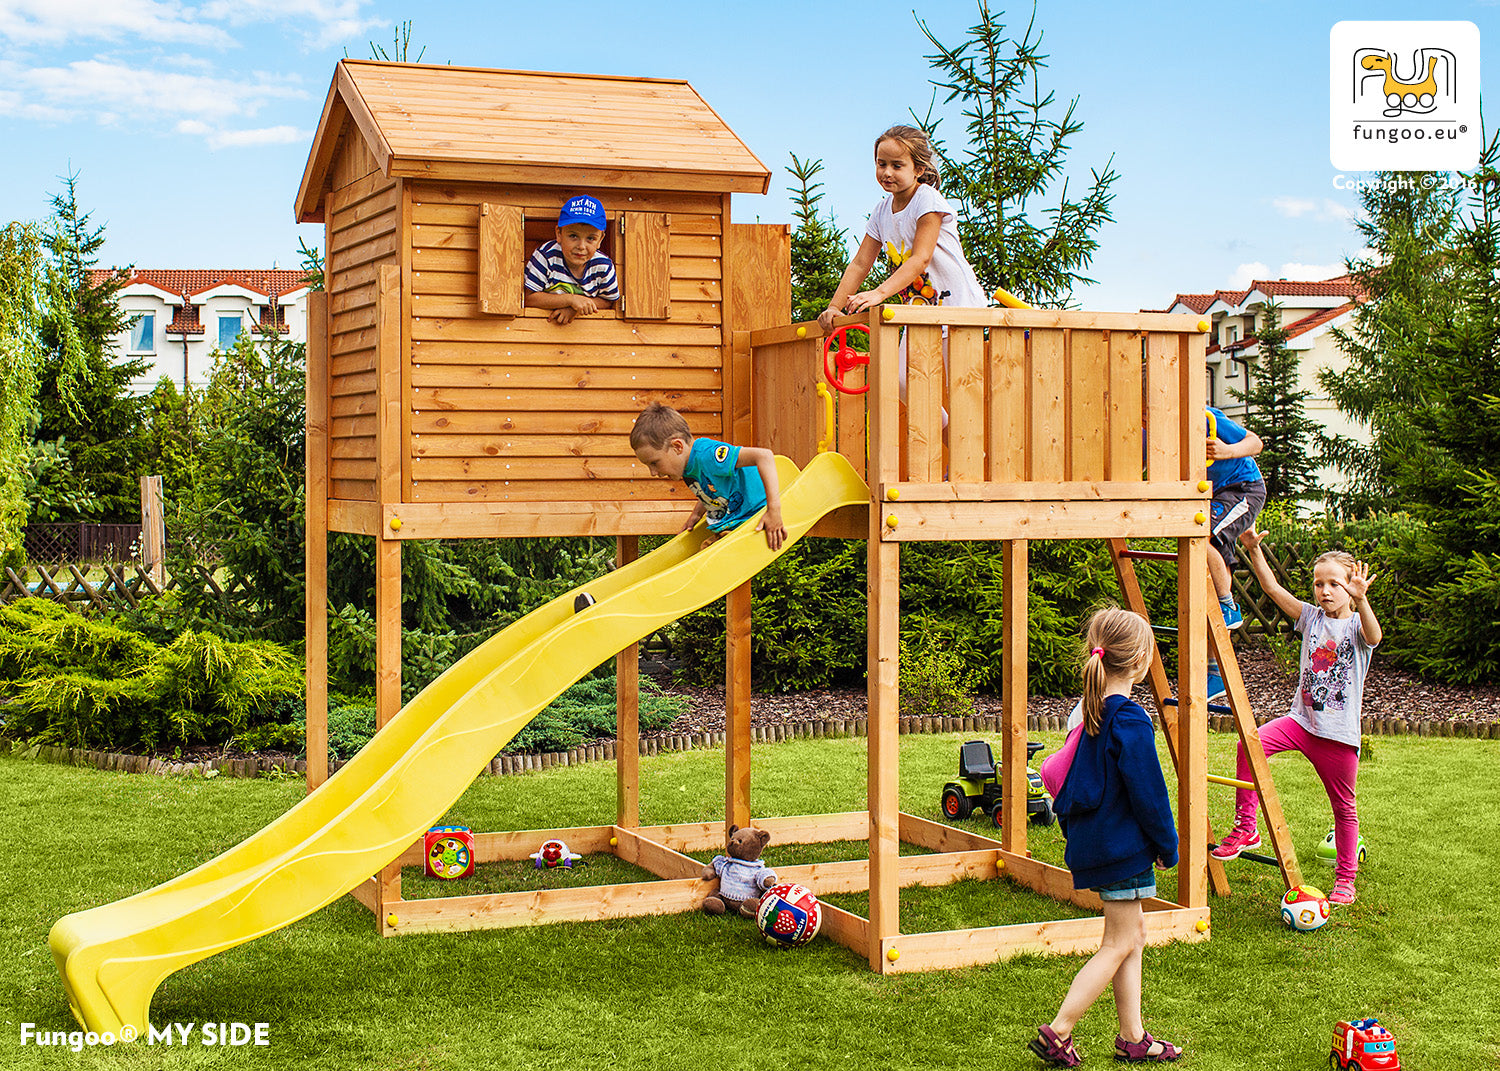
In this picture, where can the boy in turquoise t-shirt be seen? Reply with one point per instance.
(732, 483)
(1239, 495)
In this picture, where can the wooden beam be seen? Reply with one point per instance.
(943, 521)
(1061, 491)
(627, 712)
(737, 707)
(1014, 690)
(316, 533)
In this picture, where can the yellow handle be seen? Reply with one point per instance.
(1009, 300)
(827, 396)
(1213, 429)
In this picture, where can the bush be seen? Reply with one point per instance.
(586, 711)
(934, 682)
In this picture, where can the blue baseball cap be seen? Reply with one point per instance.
(582, 210)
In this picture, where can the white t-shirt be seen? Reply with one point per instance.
(949, 280)
(1331, 687)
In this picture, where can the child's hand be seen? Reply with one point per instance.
(563, 315)
(774, 529)
(825, 319)
(1359, 582)
(862, 301)
(583, 305)
(1252, 539)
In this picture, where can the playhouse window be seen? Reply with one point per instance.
(542, 229)
(143, 333)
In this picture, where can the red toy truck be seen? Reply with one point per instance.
(1363, 1045)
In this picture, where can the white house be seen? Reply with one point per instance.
(1309, 311)
(180, 317)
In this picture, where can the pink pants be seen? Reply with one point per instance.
(1336, 764)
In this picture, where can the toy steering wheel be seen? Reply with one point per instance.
(845, 358)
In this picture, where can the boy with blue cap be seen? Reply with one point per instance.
(570, 276)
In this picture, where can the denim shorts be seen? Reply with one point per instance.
(1140, 887)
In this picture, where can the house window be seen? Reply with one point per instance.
(1231, 369)
(1231, 335)
(229, 330)
(1210, 386)
(143, 333)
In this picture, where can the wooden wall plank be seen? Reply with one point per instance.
(966, 429)
(1088, 380)
(1009, 403)
(1125, 443)
(1047, 433)
(924, 403)
(1163, 409)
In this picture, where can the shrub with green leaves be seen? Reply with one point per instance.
(82, 683)
(934, 681)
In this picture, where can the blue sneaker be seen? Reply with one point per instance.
(1233, 619)
(1216, 689)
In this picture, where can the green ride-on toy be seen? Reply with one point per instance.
(978, 785)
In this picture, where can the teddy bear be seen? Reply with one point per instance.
(741, 875)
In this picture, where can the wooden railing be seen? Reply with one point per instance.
(1073, 409)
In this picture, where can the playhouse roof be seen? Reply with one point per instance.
(479, 125)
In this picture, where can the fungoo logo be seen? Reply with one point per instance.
(1404, 96)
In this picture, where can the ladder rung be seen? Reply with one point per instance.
(1165, 628)
(1231, 782)
(1254, 857)
(1214, 708)
(1151, 555)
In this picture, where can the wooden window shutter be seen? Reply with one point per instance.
(501, 231)
(645, 268)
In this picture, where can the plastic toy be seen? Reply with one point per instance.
(554, 853)
(839, 357)
(1327, 852)
(978, 785)
(789, 915)
(449, 851)
(1363, 1045)
(1304, 908)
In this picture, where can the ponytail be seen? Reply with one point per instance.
(1115, 642)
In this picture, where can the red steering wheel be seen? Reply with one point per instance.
(844, 358)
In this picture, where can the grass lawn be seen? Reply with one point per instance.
(1419, 949)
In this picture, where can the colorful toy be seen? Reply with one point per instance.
(1327, 852)
(1304, 908)
(554, 853)
(978, 785)
(1363, 1045)
(449, 851)
(740, 876)
(789, 915)
(839, 357)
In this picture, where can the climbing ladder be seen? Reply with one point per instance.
(1238, 707)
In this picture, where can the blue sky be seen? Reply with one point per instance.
(190, 123)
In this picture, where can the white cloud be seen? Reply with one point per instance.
(1293, 207)
(1310, 273)
(333, 21)
(1334, 210)
(270, 135)
(53, 22)
(90, 87)
(1245, 274)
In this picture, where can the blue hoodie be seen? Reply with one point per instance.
(1113, 807)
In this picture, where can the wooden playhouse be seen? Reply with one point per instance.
(439, 407)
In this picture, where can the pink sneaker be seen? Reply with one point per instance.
(1343, 892)
(1240, 839)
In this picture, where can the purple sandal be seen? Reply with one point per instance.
(1056, 1051)
(1139, 1052)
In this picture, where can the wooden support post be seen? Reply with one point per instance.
(153, 530)
(317, 539)
(1192, 721)
(389, 447)
(627, 712)
(883, 660)
(737, 707)
(1015, 688)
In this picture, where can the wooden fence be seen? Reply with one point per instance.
(80, 542)
(121, 586)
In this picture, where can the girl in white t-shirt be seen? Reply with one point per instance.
(915, 227)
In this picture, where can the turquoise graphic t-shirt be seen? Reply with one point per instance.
(730, 494)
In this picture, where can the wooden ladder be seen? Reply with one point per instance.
(1238, 707)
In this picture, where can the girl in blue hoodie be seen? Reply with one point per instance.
(1114, 810)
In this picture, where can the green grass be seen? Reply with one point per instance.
(1418, 950)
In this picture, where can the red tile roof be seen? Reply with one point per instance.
(264, 281)
(1318, 319)
(1344, 286)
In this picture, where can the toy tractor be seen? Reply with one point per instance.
(978, 785)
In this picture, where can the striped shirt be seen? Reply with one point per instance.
(547, 270)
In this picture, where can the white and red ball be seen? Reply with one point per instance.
(1304, 908)
(789, 915)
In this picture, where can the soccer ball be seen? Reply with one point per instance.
(789, 915)
(1304, 908)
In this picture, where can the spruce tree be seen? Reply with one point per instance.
(819, 255)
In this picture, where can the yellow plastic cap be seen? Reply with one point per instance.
(893, 954)
(1199, 517)
(1201, 926)
(614, 842)
(801, 332)
(893, 493)
(1204, 485)
(892, 521)
(887, 313)
(1203, 326)
(391, 919)
(395, 524)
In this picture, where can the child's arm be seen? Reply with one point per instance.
(565, 306)
(1249, 446)
(1288, 603)
(1358, 588)
(765, 464)
(855, 274)
(923, 243)
(699, 509)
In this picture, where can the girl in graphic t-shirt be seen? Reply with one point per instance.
(915, 228)
(1339, 635)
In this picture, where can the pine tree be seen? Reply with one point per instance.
(1276, 410)
(1016, 151)
(819, 255)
